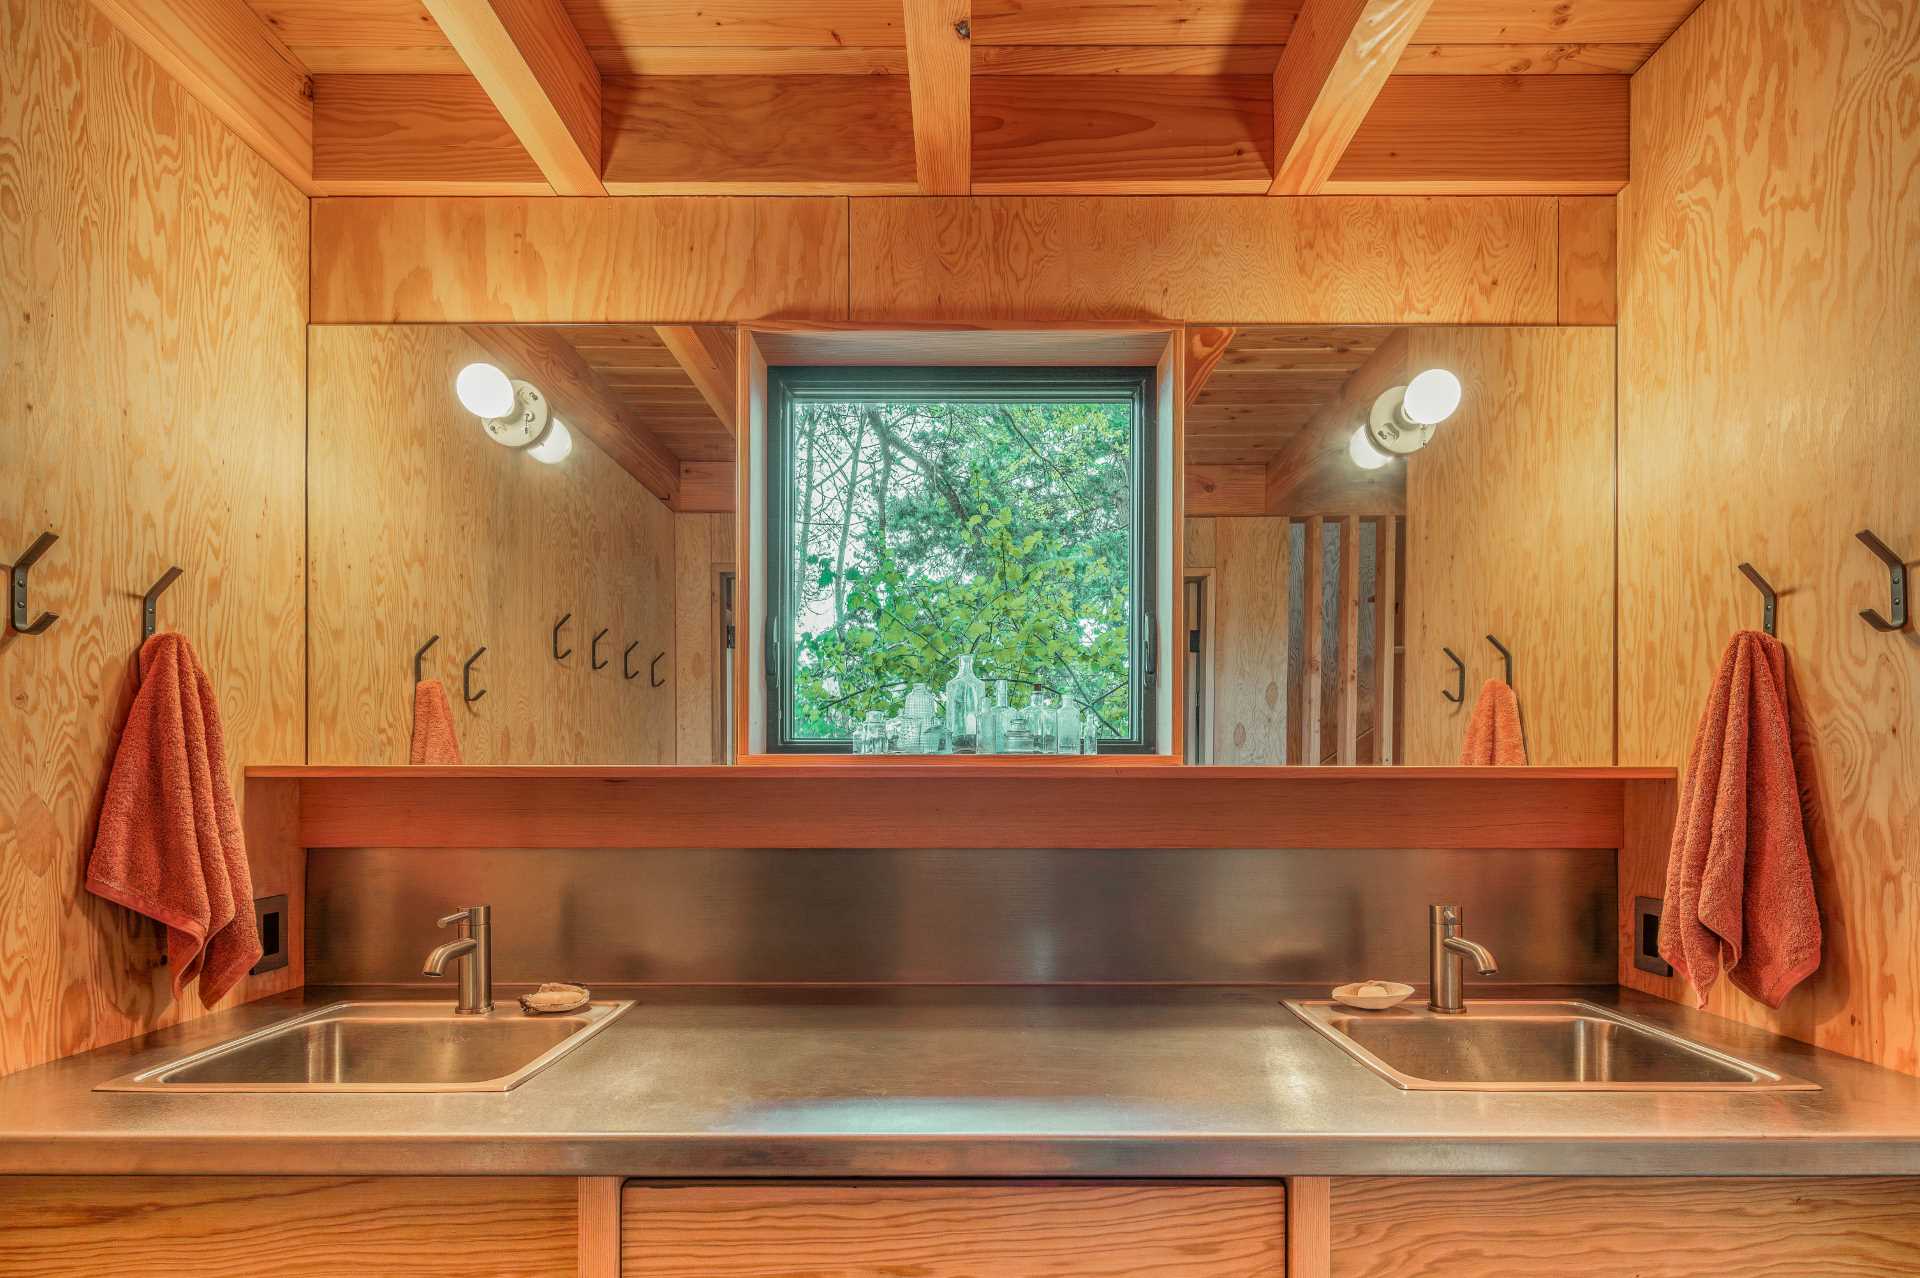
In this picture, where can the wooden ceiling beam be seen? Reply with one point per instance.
(577, 395)
(534, 66)
(939, 77)
(1335, 64)
(708, 354)
(1318, 450)
(1205, 347)
(230, 62)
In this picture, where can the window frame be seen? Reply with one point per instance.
(788, 384)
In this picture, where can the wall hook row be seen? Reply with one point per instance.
(466, 677)
(593, 651)
(557, 654)
(653, 673)
(149, 603)
(1897, 573)
(1459, 677)
(626, 661)
(1769, 596)
(17, 588)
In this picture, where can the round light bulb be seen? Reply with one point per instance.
(1431, 397)
(1364, 454)
(484, 391)
(554, 445)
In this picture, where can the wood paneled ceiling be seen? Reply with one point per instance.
(587, 97)
(1268, 386)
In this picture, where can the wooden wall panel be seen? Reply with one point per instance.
(154, 270)
(1251, 568)
(702, 546)
(1572, 1227)
(1510, 530)
(419, 524)
(531, 260)
(425, 134)
(1589, 250)
(295, 1227)
(1206, 259)
(1010, 1230)
(1770, 358)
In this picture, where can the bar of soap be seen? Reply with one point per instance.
(554, 996)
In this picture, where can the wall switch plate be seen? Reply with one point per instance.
(270, 916)
(1646, 936)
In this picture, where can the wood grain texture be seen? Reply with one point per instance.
(540, 77)
(301, 1227)
(1125, 59)
(705, 353)
(1570, 1227)
(505, 261)
(770, 23)
(706, 487)
(1770, 282)
(576, 393)
(1269, 384)
(1617, 58)
(1206, 347)
(400, 478)
(1309, 1226)
(417, 135)
(1334, 66)
(702, 548)
(1206, 259)
(231, 64)
(1586, 21)
(1530, 557)
(1346, 681)
(155, 335)
(1386, 641)
(778, 135)
(599, 1213)
(638, 367)
(1226, 490)
(1094, 135)
(1311, 468)
(1252, 561)
(1133, 22)
(940, 67)
(796, 801)
(1562, 134)
(1588, 260)
(1016, 1230)
(1311, 730)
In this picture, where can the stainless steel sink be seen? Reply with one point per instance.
(1532, 1046)
(380, 1047)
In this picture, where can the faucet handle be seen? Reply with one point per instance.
(471, 915)
(1444, 915)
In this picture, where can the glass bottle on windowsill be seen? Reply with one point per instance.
(966, 706)
(1019, 735)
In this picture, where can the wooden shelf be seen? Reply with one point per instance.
(973, 803)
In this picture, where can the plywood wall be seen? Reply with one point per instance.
(1510, 528)
(421, 525)
(702, 548)
(152, 353)
(1770, 364)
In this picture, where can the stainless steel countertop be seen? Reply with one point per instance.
(963, 1081)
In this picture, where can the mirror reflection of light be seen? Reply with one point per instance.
(1432, 397)
(484, 391)
(554, 445)
(1364, 454)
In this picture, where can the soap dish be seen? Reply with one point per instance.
(1373, 996)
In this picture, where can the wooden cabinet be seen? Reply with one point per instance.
(883, 1229)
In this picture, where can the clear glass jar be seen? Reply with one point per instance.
(920, 734)
(993, 727)
(1019, 737)
(1066, 728)
(870, 735)
(966, 706)
(1040, 723)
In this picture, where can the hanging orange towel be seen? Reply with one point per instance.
(433, 739)
(1739, 882)
(169, 844)
(1493, 734)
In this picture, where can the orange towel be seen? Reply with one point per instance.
(433, 739)
(1739, 882)
(169, 844)
(1493, 734)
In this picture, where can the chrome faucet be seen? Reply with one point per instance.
(475, 946)
(1445, 971)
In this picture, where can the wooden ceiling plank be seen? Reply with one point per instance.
(1205, 347)
(415, 135)
(1583, 21)
(707, 353)
(577, 395)
(1323, 441)
(534, 66)
(652, 59)
(939, 76)
(1214, 22)
(1125, 59)
(1620, 58)
(1338, 60)
(230, 62)
(739, 23)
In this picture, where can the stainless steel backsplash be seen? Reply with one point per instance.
(959, 914)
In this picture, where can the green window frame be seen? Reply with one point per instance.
(790, 387)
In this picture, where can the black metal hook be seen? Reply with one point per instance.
(1460, 677)
(653, 673)
(17, 591)
(421, 655)
(1897, 570)
(626, 665)
(1767, 593)
(557, 654)
(593, 650)
(149, 614)
(466, 677)
(1504, 656)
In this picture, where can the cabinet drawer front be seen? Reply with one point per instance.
(1005, 1230)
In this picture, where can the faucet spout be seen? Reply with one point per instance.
(1482, 957)
(437, 960)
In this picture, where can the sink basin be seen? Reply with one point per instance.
(380, 1047)
(1532, 1046)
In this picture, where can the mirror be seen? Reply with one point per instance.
(582, 619)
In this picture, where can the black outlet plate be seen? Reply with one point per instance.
(270, 916)
(1646, 936)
